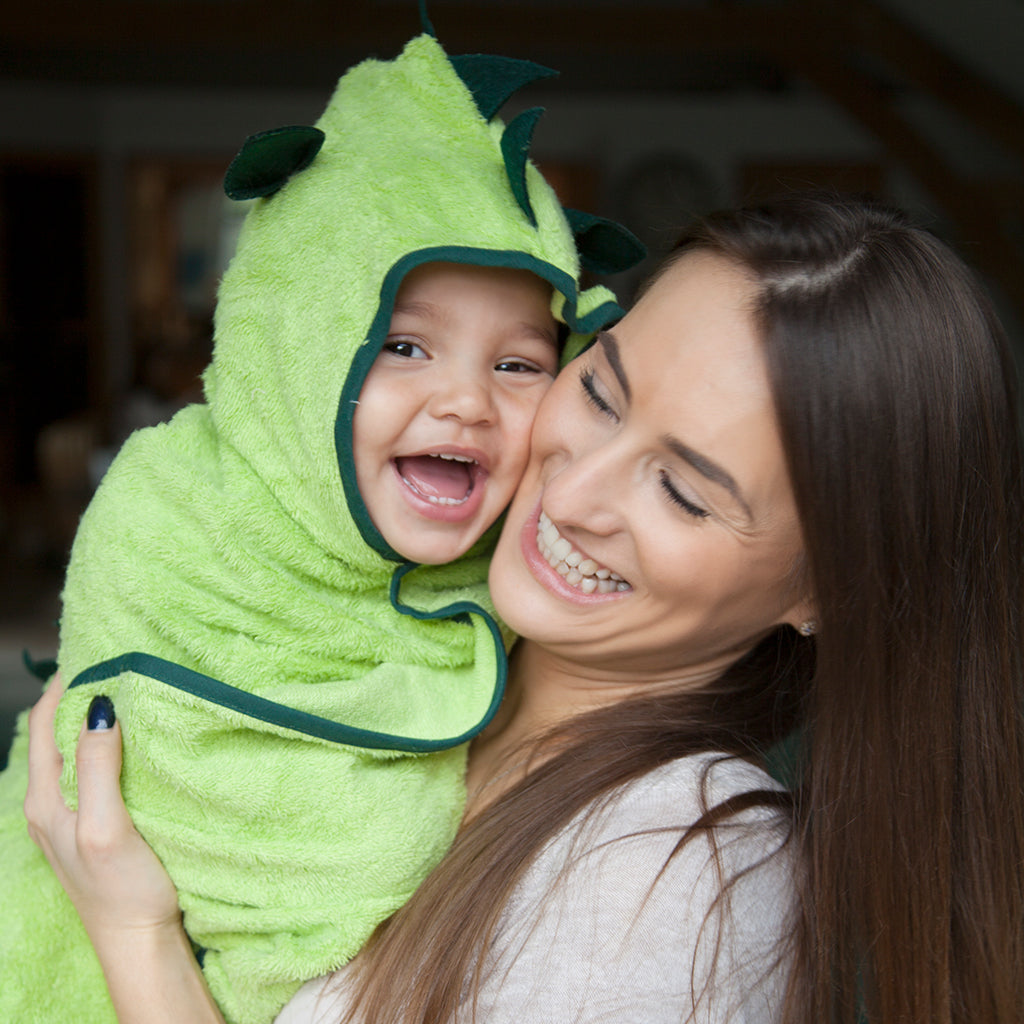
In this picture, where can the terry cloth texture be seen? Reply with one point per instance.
(294, 699)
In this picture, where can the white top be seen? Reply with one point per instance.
(586, 940)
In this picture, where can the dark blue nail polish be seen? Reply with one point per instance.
(101, 714)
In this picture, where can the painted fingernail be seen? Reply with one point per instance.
(101, 714)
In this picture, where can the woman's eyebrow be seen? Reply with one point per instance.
(708, 469)
(611, 352)
(703, 465)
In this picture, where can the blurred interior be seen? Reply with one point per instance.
(117, 120)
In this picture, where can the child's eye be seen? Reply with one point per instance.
(405, 348)
(593, 396)
(519, 366)
(677, 499)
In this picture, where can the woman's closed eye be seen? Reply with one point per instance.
(592, 391)
(673, 495)
(593, 395)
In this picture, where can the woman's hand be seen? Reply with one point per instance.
(113, 878)
(126, 900)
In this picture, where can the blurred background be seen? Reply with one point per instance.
(119, 117)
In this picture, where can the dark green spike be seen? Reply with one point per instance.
(425, 20)
(492, 80)
(267, 160)
(42, 669)
(605, 247)
(515, 148)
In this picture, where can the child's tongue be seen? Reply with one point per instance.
(434, 477)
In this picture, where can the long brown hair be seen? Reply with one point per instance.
(894, 391)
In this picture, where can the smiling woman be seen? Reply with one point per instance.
(798, 458)
(797, 461)
(687, 501)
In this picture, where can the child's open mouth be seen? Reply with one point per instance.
(444, 479)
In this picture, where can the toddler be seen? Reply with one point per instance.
(283, 589)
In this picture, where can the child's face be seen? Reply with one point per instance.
(442, 430)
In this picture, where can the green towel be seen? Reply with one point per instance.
(295, 699)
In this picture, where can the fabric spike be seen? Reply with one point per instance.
(605, 247)
(515, 149)
(42, 669)
(268, 159)
(425, 20)
(492, 80)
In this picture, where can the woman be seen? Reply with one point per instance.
(797, 460)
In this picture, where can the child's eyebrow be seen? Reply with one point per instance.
(548, 334)
(417, 308)
(431, 311)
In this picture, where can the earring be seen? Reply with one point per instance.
(808, 627)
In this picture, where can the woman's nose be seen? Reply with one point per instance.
(586, 489)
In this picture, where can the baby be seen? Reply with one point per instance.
(441, 432)
(283, 589)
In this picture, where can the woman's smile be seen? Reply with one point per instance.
(566, 570)
(575, 566)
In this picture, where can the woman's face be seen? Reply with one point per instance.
(655, 533)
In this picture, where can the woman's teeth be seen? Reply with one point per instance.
(579, 571)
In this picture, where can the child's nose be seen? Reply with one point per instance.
(464, 397)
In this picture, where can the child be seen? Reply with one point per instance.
(254, 584)
(441, 432)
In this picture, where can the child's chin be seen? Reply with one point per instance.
(437, 546)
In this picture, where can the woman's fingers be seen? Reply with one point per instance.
(95, 851)
(103, 819)
(43, 802)
(125, 899)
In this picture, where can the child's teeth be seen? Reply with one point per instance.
(579, 571)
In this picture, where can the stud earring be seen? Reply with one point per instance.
(808, 627)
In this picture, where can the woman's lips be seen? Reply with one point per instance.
(565, 569)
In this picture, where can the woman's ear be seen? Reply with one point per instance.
(803, 617)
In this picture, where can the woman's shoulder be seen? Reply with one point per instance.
(621, 917)
(636, 852)
(676, 795)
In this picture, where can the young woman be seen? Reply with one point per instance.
(796, 460)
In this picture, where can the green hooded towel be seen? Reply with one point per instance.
(295, 700)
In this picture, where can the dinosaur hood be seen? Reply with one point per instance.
(408, 164)
(277, 670)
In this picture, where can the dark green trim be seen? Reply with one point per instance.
(457, 610)
(371, 346)
(515, 151)
(249, 704)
